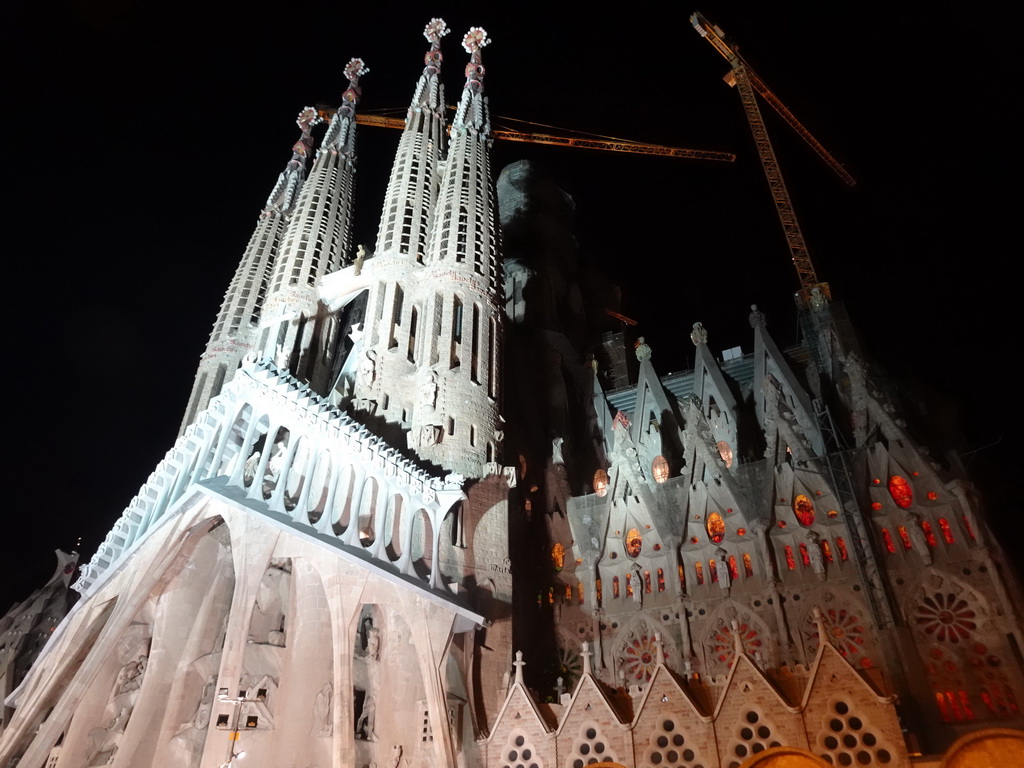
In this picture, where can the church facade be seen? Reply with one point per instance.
(428, 509)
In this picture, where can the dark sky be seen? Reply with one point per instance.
(142, 142)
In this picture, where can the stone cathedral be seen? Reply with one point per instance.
(429, 506)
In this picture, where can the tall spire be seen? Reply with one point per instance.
(318, 238)
(240, 311)
(459, 426)
(412, 190)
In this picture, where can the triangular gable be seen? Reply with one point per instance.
(768, 359)
(519, 705)
(591, 697)
(663, 683)
(835, 672)
(651, 397)
(745, 677)
(706, 370)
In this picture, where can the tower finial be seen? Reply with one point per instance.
(434, 31)
(475, 40)
(282, 196)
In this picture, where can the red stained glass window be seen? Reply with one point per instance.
(647, 582)
(841, 545)
(634, 542)
(967, 525)
(904, 536)
(901, 492)
(826, 551)
(929, 534)
(699, 570)
(568, 593)
(790, 562)
(803, 508)
(716, 527)
(734, 571)
(748, 566)
(887, 538)
(615, 586)
(805, 556)
(713, 570)
(661, 580)
(947, 532)
(629, 585)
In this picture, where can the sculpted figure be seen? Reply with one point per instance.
(322, 711)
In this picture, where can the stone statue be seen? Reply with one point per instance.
(757, 317)
(201, 719)
(367, 368)
(367, 719)
(814, 552)
(428, 392)
(130, 677)
(322, 724)
(699, 334)
(372, 643)
(556, 451)
(360, 258)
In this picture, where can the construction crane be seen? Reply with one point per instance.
(747, 81)
(606, 143)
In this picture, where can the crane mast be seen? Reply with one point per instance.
(748, 84)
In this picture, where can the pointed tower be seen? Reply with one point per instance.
(456, 423)
(388, 359)
(239, 314)
(317, 240)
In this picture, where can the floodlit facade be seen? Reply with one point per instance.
(428, 508)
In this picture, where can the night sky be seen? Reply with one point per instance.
(141, 143)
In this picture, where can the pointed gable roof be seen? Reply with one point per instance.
(664, 683)
(519, 704)
(743, 677)
(830, 668)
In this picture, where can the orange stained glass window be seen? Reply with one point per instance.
(647, 582)
(748, 565)
(699, 570)
(901, 492)
(568, 593)
(659, 468)
(725, 451)
(803, 508)
(661, 580)
(841, 545)
(598, 585)
(615, 586)
(713, 570)
(887, 538)
(682, 576)
(790, 562)
(629, 585)
(551, 595)
(716, 527)
(805, 556)
(558, 556)
(967, 525)
(600, 482)
(579, 592)
(734, 571)
(634, 542)
(929, 534)
(826, 551)
(947, 532)
(904, 536)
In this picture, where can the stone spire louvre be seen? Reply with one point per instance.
(318, 238)
(412, 190)
(456, 423)
(465, 230)
(240, 311)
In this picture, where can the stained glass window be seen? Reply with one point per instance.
(647, 582)
(805, 556)
(660, 469)
(682, 576)
(841, 544)
(629, 585)
(615, 586)
(725, 451)
(901, 492)
(734, 571)
(558, 556)
(568, 593)
(887, 538)
(579, 592)
(904, 536)
(716, 527)
(713, 570)
(699, 570)
(634, 542)
(947, 532)
(790, 562)
(826, 551)
(929, 534)
(748, 566)
(803, 508)
(661, 580)
(598, 585)
(967, 525)
(600, 482)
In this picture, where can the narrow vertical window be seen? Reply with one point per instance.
(615, 586)
(413, 322)
(790, 562)
(748, 565)
(947, 532)
(474, 346)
